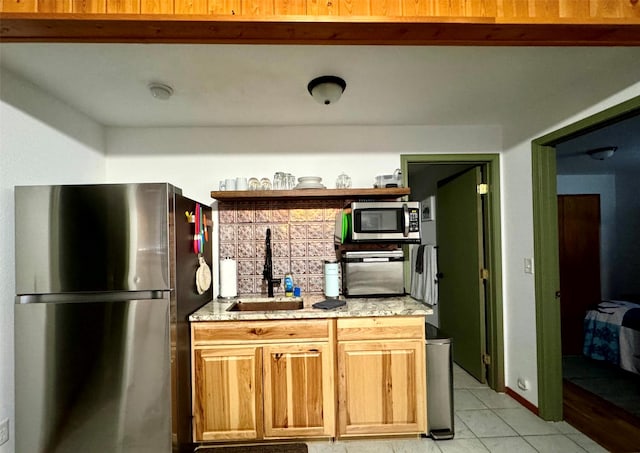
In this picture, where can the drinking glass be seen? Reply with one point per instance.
(279, 181)
(265, 184)
(254, 184)
(343, 181)
(291, 181)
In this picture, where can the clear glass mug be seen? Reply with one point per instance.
(265, 184)
(279, 181)
(254, 184)
(343, 181)
(291, 181)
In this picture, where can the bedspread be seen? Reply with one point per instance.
(612, 333)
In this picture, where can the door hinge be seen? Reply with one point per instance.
(482, 189)
(486, 359)
(484, 274)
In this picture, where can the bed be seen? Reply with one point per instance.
(612, 333)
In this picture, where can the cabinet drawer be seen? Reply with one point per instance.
(207, 333)
(401, 327)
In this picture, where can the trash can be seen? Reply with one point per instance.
(439, 383)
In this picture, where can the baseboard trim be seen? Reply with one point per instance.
(521, 400)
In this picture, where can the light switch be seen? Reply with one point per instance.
(528, 265)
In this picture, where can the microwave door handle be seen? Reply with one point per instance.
(405, 211)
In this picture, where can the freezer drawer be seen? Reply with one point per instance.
(93, 376)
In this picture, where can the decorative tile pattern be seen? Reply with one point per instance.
(315, 231)
(298, 231)
(227, 213)
(245, 232)
(315, 266)
(316, 248)
(301, 239)
(298, 267)
(246, 285)
(262, 212)
(227, 233)
(280, 249)
(245, 213)
(246, 250)
(279, 215)
(298, 249)
(227, 250)
(246, 267)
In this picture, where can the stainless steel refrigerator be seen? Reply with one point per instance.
(105, 282)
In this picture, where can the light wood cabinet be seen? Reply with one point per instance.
(381, 369)
(227, 393)
(277, 379)
(298, 390)
(262, 379)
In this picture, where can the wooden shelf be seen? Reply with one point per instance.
(306, 194)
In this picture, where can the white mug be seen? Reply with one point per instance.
(241, 183)
(230, 184)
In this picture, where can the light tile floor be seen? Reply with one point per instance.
(485, 421)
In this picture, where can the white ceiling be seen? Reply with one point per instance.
(236, 85)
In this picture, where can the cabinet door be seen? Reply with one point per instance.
(298, 390)
(227, 393)
(381, 387)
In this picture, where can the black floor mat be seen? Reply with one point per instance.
(279, 448)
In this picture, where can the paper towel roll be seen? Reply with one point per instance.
(228, 278)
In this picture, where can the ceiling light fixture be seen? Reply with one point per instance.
(326, 89)
(160, 91)
(602, 153)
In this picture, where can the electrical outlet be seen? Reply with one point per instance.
(4, 431)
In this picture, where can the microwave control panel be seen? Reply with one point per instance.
(414, 220)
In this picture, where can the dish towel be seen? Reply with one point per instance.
(424, 285)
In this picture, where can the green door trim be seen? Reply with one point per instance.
(545, 251)
(495, 330)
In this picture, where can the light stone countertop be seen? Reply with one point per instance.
(216, 310)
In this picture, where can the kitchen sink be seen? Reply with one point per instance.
(267, 304)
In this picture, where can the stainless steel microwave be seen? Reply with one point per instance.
(385, 221)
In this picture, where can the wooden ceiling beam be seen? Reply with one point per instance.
(136, 28)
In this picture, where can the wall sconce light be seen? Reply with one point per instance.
(326, 89)
(160, 91)
(602, 153)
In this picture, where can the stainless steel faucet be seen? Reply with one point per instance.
(267, 273)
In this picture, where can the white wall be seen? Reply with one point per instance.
(517, 220)
(43, 141)
(605, 186)
(197, 158)
(626, 279)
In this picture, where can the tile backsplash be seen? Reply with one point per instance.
(301, 239)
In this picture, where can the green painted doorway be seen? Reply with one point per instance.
(492, 248)
(545, 243)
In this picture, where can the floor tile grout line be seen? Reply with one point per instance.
(529, 443)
